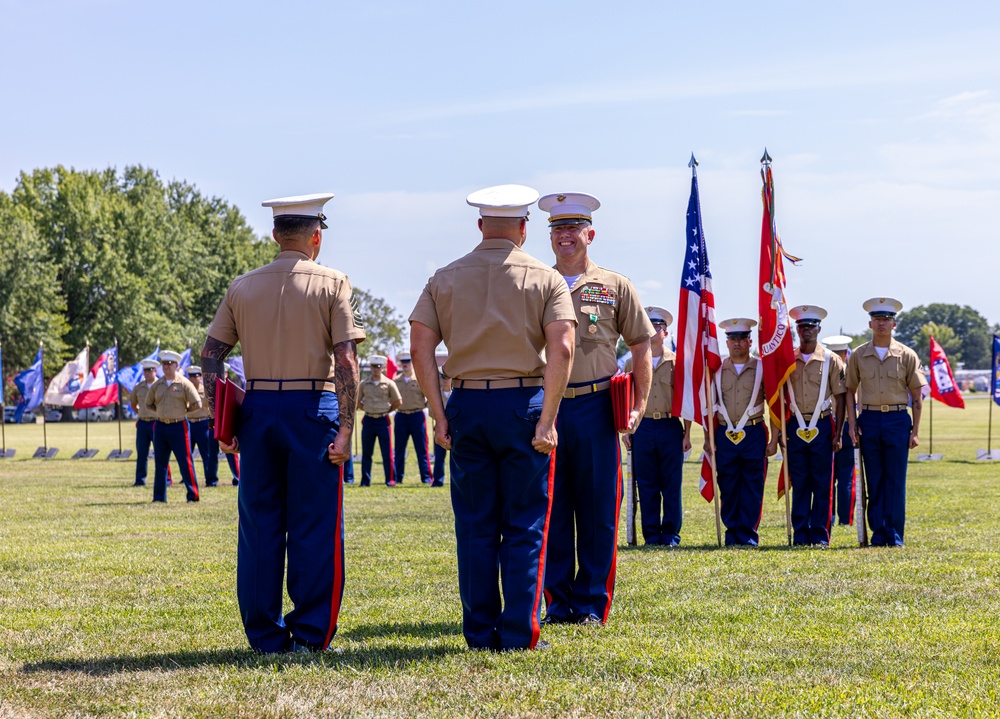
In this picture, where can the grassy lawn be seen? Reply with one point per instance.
(110, 606)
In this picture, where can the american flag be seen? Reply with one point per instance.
(697, 334)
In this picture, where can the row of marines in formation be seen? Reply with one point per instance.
(536, 501)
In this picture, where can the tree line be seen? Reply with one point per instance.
(95, 255)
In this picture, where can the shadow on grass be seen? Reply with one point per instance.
(419, 630)
(715, 547)
(337, 658)
(117, 504)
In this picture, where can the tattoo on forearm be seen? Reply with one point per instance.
(212, 366)
(346, 378)
(918, 401)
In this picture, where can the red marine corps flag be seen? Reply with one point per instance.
(943, 387)
(774, 331)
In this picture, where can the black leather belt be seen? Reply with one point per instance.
(498, 383)
(278, 385)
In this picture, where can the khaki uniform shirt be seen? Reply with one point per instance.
(806, 376)
(606, 306)
(202, 412)
(661, 392)
(410, 392)
(887, 381)
(377, 397)
(491, 307)
(173, 402)
(138, 398)
(288, 315)
(737, 388)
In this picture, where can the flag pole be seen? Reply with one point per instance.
(710, 416)
(86, 414)
(930, 449)
(3, 405)
(117, 367)
(45, 433)
(989, 430)
(785, 481)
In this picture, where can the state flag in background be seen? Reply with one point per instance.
(995, 377)
(185, 361)
(129, 377)
(943, 387)
(65, 386)
(236, 365)
(705, 485)
(31, 385)
(100, 387)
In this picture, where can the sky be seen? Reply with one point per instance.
(882, 119)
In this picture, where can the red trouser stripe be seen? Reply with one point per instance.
(536, 630)
(187, 458)
(338, 565)
(236, 465)
(610, 586)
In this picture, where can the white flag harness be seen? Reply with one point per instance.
(808, 434)
(736, 434)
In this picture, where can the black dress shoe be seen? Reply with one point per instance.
(211, 484)
(590, 620)
(139, 483)
(236, 482)
(435, 483)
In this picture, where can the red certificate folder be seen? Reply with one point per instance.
(228, 399)
(622, 399)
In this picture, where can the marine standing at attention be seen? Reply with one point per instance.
(816, 392)
(145, 422)
(411, 422)
(172, 397)
(888, 375)
(379, 396)
(583, 543)
(297, 323)
(844, 468)
(741, 442)
(507, 321)
(659, 444)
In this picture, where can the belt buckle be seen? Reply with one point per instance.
(570, 393)
(883, 408)
(657, 415)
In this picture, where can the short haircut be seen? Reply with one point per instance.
(290, 229)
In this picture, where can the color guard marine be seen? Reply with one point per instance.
(888, 376)
(297, 323)
(844, 467)
(379, 397)
(816, 392)
(741, 442)
(507, 321)
(172, 397)
(583, 541)
(659, 444)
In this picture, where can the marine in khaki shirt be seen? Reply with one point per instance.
(888, 376)
(507, 322)
(379, 396)
(505, 337)
(202, 411)
(172, 401)
(737, 387)
(813, 436)
(411, 396)
(659, 444)
(586, 497)
(137, 398)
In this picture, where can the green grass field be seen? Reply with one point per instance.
(110, 606)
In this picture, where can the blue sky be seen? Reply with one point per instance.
(883, 120)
